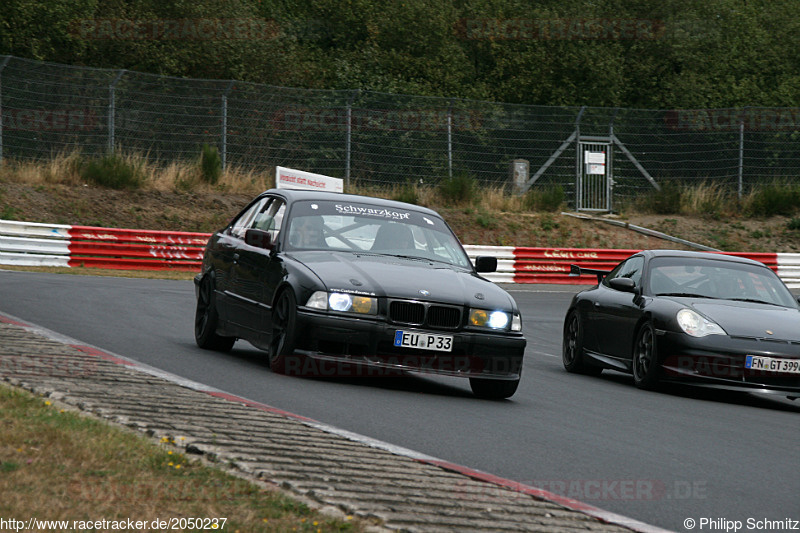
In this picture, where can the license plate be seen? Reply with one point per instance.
(423, 341)
(773, 364)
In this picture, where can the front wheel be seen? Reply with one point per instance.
(645, 367)
(206, 320)
(284, 330)
(493, 389)
(572, 355)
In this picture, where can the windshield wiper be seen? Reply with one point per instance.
(752, 300)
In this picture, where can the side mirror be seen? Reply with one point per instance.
(258, 238)
(623, 284)
(485, 263)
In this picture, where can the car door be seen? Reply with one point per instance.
(234, 288)
(617, 311)
(257, 270)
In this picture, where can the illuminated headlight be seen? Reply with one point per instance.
(697, 326)
(343, 302)
(488, 319)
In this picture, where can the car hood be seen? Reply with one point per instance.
(748, 319)
(394, 277)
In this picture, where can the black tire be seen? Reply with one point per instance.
(572, 355)
(644, 364)
(206, 320)
(493, 389)
(284, 331)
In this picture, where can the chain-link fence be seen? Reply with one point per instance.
(376, 138)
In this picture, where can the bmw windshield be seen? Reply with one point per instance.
(364, 228)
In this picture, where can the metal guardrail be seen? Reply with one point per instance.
(60, 245)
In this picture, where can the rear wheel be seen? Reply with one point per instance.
(572, 355)
(284, 329)
(493, 389)
(645, 367)
(206, 320)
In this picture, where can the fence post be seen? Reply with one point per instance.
(224, 148)
(578, 181)
(450, 138)
(112, 106)
(2, 66)
(741, 152)
(348, 138)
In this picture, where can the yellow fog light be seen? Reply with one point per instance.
(478, 317)
(364, 305)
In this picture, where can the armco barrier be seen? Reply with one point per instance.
(34, 244)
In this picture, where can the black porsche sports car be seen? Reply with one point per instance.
(715, 319)
(342, 285)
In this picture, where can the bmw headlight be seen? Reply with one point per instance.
(489, 319)
(343, 303)
(696, 325)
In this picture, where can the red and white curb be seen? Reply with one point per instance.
(569, 503)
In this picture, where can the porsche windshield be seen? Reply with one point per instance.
(708, 278)
(348, 226)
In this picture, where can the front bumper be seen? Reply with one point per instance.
(720, 360)
(334, 345)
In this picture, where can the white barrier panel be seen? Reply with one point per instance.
(34, 229)
(500, 252)
(34, 246)
(33, 260)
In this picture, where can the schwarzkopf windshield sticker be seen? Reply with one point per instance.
(359, 210)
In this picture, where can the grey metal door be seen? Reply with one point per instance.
(594, 175)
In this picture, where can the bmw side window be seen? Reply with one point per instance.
(270, 217)
(245, 220)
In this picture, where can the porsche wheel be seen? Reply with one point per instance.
(206, 320)
(493, 389)
(284, 322)
(645, 366)
(572, 355)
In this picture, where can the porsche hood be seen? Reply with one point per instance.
(745, 319)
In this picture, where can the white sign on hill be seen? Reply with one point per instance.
(289, 178)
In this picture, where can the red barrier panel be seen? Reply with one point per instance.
(134, 250)
(572, 254)
(133, 264)
(89, 233)
(552, 265)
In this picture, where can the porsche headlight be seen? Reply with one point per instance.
(697, 326)
(488, 319)
(343, 302)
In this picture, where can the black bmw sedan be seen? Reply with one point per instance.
(713, 319)
(341, 285)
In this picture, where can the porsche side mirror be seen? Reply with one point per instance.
(259, 239)
(623, 284)
(485, 263)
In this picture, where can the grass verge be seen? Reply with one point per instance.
(57, 464)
